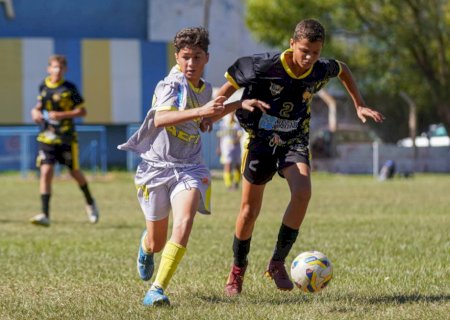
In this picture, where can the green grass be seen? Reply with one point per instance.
(389, 243)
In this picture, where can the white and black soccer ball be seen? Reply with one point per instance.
(311, 271)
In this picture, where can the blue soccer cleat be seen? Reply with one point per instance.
(145, 264)
(156, 297)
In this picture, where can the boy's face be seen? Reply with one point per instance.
(305, 53)
(56, 71)
(192, 61)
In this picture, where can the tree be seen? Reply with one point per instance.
(390, 45)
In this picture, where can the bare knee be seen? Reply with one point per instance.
(248, 214)
(302, 195)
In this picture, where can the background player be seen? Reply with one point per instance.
(59, 102)
(229, 135)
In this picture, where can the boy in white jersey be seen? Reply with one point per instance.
(172, 175)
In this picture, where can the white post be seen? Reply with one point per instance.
(375, 158)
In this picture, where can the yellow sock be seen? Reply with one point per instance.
(236, 176)
(171, 256)
(227, 179)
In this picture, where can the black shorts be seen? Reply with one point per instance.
(261, 161)
(66, 154)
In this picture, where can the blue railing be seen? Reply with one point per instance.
(92, 149)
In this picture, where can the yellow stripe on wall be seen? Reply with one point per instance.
(97, 80)
(171, 61)
(11, 81)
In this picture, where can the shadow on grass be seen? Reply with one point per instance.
(407, 298)
(296, 299)
(219, 299)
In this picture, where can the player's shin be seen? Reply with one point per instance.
(170, 258)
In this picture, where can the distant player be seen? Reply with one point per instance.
(59, 102)
(229, 135)
(279, 137)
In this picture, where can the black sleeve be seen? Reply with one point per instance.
(242, 71)
(76, 96)
(331, 67)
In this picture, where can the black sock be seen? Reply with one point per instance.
(241, 248)
(87, 194)
(286, 238)
(45, 204)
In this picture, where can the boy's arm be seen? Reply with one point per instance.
(170, 118)
(249, 104)
(349, 83)
(80, 111)
(36, 112)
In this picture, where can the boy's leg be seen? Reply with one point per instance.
(45, 189)
(298, 177)
(227, 178)
(236, 176)
(68, 155)
(184, 207)
(152, 241)
(252, 196)
(91, 206)
(155, 205)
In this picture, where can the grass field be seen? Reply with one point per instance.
(389, 243)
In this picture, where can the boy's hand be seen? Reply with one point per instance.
(251, 104)
(213, 107)
(36, 115)
(364, 112)
(206, 125)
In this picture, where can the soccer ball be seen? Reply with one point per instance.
(311, 271)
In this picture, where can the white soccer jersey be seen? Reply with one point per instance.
(171, 156)
(177, 145)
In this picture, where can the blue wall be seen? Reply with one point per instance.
(76, 18)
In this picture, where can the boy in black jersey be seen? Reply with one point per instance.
(279, 137)
(59, 102)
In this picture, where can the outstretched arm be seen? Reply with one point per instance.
(362, 110)
(249, 104)
(170, 118)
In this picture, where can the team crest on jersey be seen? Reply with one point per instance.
(307, 95)
(275, 89)
(56, 97)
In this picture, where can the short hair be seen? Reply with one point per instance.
(58, 57)
(192, 37)
(310, 29)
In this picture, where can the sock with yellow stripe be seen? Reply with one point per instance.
(236, 176)
(170, 258)
(227, 179)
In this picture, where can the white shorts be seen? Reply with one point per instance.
(230, 154)
(156, 188)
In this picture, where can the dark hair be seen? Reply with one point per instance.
(310, 29)
(192, 37)
(58, 57)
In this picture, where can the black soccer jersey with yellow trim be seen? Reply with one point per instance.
(267, 77)
(60, 96)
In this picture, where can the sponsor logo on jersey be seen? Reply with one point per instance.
(268, 122)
